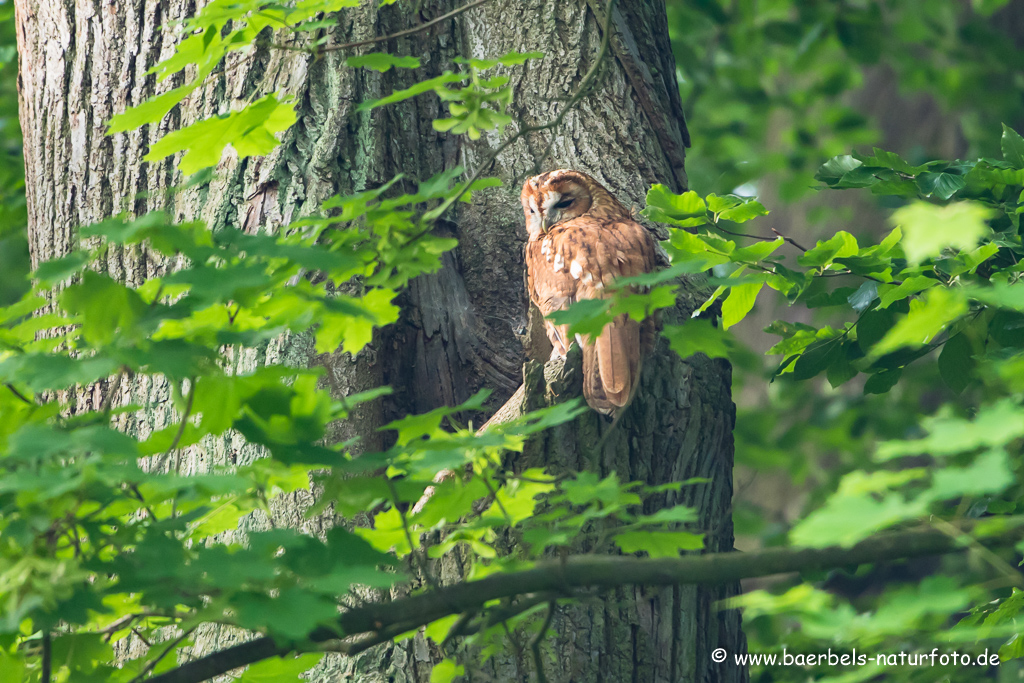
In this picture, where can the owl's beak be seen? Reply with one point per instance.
(548, 219)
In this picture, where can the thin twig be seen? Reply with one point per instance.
(987, 554)
(152, 665)
(743, 234)
(457, 629)
(138, 634)
(557, 121)
(381, 39)
(790, 240)
(538, 660)
(108, 400)
(47, 666)
(181, 427)
(586, 83)
(514, 639)
(497, 501)
(416, 557)
(134, 488)
(17, 393)
(121, 623)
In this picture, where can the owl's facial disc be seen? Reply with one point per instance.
(557, 208)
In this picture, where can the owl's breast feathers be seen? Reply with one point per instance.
(578, 260)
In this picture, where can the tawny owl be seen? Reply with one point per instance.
(581, 239)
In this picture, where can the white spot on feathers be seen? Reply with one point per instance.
(559, 263)
(575, 269)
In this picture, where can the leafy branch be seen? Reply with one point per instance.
(382, 39)
(605, 572)
(584, 88)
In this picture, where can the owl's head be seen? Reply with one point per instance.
(558, 196)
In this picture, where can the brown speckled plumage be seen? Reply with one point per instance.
(581, 239)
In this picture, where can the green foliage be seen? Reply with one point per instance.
(249, 131)
(939, 295)
(14, 261)
(223, 27)
(100, 541)
(102, 537)
(770, 88)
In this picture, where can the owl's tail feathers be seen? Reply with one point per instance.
(611, 366)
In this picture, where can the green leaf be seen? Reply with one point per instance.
(280, 669)
(382, 61)
(684, 210)
(676, 514)
(250, 131)
(882, 382)
(835, 168)
(926, 319)
(956, 362)
(840, 370)
(293, 613)
(445, 671)
(437, 630)
(659, 543)
(740, 301)
(1012, 145)
(697, 253)
(994, 426)
(941, 185)
(928, 229)
(847, 519)
(55, 270)
(823, 253)
(989, 474)
(744, 212)
(480, 184)
(883, 159)
(717, 205)
(351, 328)
(517, 58)
(699, 335)
(757, 251)
(509, 59)
(108, 308)
(435, 84)
(152, 110)
(587, 316)
(861, 299)
(999, 294)
(816, 358)
(912, 285)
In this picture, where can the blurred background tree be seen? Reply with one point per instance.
(771, 89)
(14, 264)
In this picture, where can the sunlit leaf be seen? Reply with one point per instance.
(928, 229)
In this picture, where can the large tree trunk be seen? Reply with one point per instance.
(84, 60)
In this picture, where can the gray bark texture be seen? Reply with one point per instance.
(462, 329)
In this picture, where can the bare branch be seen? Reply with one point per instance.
(538, 657)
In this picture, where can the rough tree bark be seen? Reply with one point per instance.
(462, 329)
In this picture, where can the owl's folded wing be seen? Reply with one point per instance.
(597, 253)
